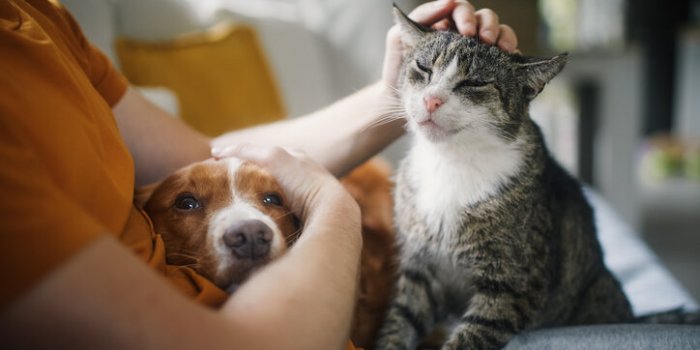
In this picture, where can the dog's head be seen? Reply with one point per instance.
(223, 218)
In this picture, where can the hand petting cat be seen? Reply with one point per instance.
(457, 15)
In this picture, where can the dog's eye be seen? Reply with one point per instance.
(272, 199)
(187, 202)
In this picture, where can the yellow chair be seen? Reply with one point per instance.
(221, 77)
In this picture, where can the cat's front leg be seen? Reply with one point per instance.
(481, 333)
(469, 337)
(413, 312)
(497, 312)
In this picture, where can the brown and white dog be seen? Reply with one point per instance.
(227, 218)
(224, 219)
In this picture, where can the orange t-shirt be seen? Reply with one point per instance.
(66, 175)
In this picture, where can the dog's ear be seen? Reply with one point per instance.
(143, 194)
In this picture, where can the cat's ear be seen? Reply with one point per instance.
(537, 72)
(410, 31)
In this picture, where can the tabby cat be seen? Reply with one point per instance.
(492, 231)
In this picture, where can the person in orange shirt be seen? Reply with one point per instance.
(75, 140)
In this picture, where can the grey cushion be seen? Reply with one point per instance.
(617, 337)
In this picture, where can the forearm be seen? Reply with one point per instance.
(104, 297)
(339, 137)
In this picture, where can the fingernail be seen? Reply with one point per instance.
(217, 152)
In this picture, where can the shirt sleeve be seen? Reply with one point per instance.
(109, 82)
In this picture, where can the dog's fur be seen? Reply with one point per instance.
(198, 206)
(371, 187)
(202, 209)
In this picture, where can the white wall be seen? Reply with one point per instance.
(619, 126)
(687, 122)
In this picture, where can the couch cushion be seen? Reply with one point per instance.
(221, 76)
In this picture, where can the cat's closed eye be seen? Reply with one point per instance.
(423, 68)
(470, 83)
(420, 73)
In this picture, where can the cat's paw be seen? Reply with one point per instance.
(465, 338)
(453, 345)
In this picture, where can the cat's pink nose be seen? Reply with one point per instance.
(432, 103)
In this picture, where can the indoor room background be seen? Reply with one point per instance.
(624, 116)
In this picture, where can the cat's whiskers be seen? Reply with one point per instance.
(388, 111)
(395, 89)
(385, 118)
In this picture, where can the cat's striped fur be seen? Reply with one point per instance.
(492, 231)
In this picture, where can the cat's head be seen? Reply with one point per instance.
(450, 84)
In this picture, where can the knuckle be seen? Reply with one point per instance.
(510, 32)
(418, 13)
(275, 153)
(467, 4)
(298, 153)
(488, 14)
(270, 154)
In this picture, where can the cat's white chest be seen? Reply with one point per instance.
(449, 178)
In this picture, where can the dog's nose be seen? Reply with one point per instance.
(249, 239)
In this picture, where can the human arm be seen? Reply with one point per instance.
(104, 297)
(158, 142)
(340, 136)
(348, 132)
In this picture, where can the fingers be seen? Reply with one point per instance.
(442, 25)
(461, 15)
(494, 33)
(309, 186)
(233, 150)
(294, 170)
(255, 153)
(465, 18)
(261, 154)
(446, 15)
(430, 12)
(488, 25)
(507, 40)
